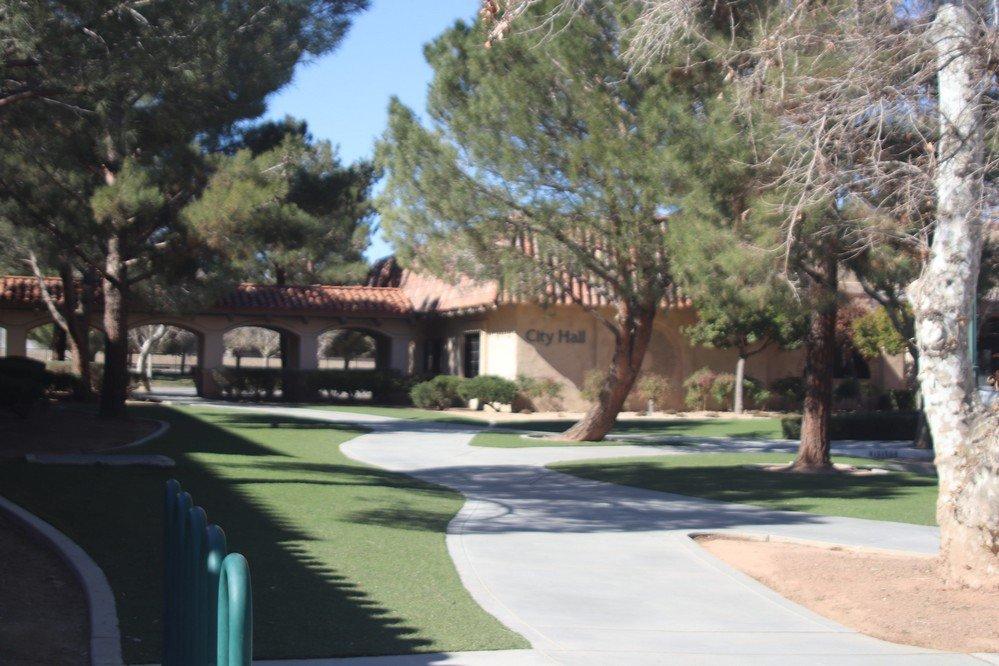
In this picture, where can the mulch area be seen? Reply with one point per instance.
(897, 598)
(60, 429)
(43, 612)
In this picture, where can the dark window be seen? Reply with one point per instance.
(472, 354)
(433, 353)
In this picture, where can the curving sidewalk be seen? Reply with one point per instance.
(595, 573)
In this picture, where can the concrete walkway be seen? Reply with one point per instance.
(595, 573)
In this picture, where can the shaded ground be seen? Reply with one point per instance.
(346, 559)
(43, 613)
(897, 598)
(904, 497)
(58, 429)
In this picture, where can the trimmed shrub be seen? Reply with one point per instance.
(440, 392)
(697, 388)
(23, 384)
(654, 389)
(861, 425)
(383, 385)
(788, 393)
(593, 382)
(754, 395)
(540, 392)
(847, 391)
(248, 382)
(897, 400)
(489, 390)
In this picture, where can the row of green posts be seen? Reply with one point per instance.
(207, 606)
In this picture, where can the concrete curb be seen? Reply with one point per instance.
(735, 535)
(105, 637)
(161, 429)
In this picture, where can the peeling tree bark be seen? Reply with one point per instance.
(965, 434)
(632, 337)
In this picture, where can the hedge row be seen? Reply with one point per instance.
(257, 383)
(861, 425)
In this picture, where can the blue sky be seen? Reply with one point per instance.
(344, 96)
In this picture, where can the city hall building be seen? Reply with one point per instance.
(425, 325)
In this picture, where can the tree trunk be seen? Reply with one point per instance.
(813, 450)
(114, 391)
(59, 343)
(740, 376)
(965, 433)
(631, 340)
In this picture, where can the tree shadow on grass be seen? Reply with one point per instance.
(743, 484)
(303, 607)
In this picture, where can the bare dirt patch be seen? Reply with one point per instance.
(43, 613)
(58, 429)
(897, 598)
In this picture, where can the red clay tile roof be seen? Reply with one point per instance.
(318, 298)
(24, 292)
(432, 294)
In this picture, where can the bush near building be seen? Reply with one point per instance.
(489, 390)
(24, 383)
(440, 392)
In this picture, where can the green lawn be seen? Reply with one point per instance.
(346, 559)
(409, 413)
(899, 496)
(762, 428)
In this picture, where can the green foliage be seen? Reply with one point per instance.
(755, 393)
(543, 392)
(440, 392)
(697, 388)
(873, 333)
(562, 149)
(23, 384)
(848, 390)
(861, 425)
(489, 390)
(654, 388)
(788, 393)
(348, 344)
(286, 209)
(593, 383)
(254, 383)
(383, 385)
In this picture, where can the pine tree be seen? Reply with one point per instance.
(115, 94)
(553, 170)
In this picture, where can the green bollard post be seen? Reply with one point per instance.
(235, 613)
(197, 523)
(172, 489)
(181, 563)
(215, 552)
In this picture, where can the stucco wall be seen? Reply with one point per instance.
(564, 343)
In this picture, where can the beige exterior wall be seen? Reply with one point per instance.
(564, 343)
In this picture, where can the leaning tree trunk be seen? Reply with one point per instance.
(114, 390)
(965, 433)
(631, 340)
(820, 354)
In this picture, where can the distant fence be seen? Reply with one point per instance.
(207, 605)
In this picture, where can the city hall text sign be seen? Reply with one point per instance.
(561, 336)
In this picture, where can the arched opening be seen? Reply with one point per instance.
(353, 349)
(165, 358)
(259, 362)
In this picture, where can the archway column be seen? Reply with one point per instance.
(17, 340)
(211, 349)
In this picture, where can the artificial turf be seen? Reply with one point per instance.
(345, 559)
(642, 429)
(903, 497)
